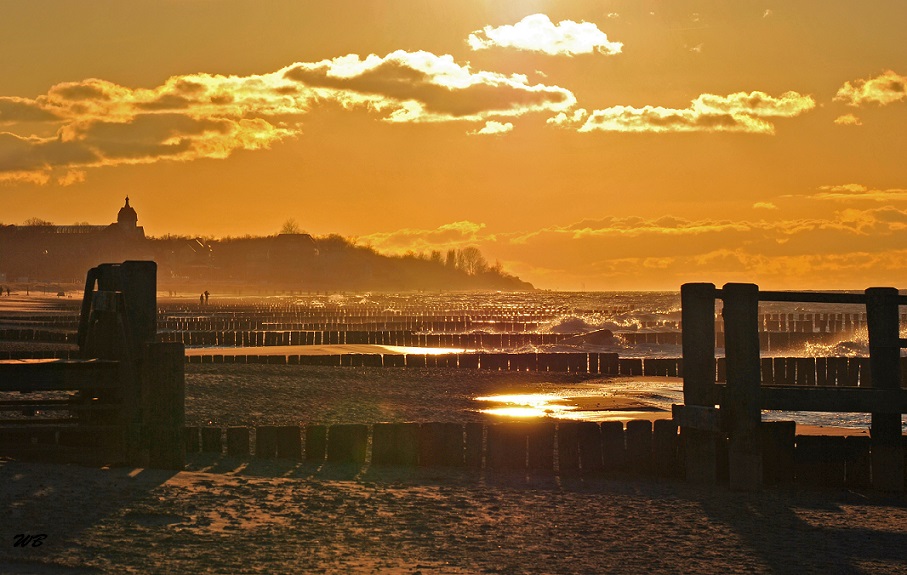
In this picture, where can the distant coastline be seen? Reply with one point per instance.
(40, 256)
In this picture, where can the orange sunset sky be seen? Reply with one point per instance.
(584, 144)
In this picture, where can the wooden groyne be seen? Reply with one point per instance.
(641, 448)
(837, 371)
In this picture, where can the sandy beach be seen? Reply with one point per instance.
(283, 517)
(229, 515)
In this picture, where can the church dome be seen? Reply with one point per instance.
(127, 215)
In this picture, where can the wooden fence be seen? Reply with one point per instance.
(746, 392)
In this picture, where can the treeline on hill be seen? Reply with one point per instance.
(294, 261)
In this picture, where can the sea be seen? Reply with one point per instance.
(626, 315)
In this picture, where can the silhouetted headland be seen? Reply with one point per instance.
(40, 252)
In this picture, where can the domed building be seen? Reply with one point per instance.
(127, 222)
(32, 253)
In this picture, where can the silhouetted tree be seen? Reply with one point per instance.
(290, 227)
(37, 222)
(471, 261)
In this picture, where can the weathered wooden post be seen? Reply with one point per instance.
(883, 323)
(741, 406)
(698, 317)
(163, 399)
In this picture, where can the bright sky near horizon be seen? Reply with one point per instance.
(607, 145)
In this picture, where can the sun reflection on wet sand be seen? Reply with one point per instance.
(583, 408)
(570, 405)
(526, 405)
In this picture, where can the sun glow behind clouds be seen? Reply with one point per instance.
(537, 33)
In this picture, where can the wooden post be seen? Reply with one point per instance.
(238, 441)
(614, 448)
(883, 323)
(163, 405)
(440, 444)
(475, 444)
(266, 441)
(347, 443)
(289, 442)
(698, 317)
(211, 440)
(316, 441)
(589, 439)
(568, 446)
(639, 446)
(741, 314)
(540, 444)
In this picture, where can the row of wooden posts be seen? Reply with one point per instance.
(800, 371)
(769, 341)
(641, 448)
(543, 445)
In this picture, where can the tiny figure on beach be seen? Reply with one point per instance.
(206, 294)
(201, 299)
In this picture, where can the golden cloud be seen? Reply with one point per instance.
(848, 120)
(537, 33)
(492, 128)
(96, 123)
(851, 192)
(447, 236)
(421, 86)
(885, 89)
(745, 112)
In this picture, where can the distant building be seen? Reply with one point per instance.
(39, 253)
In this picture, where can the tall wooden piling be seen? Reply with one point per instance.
(883, 324)
(163, 399)
(741, 313)
(698, 317)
